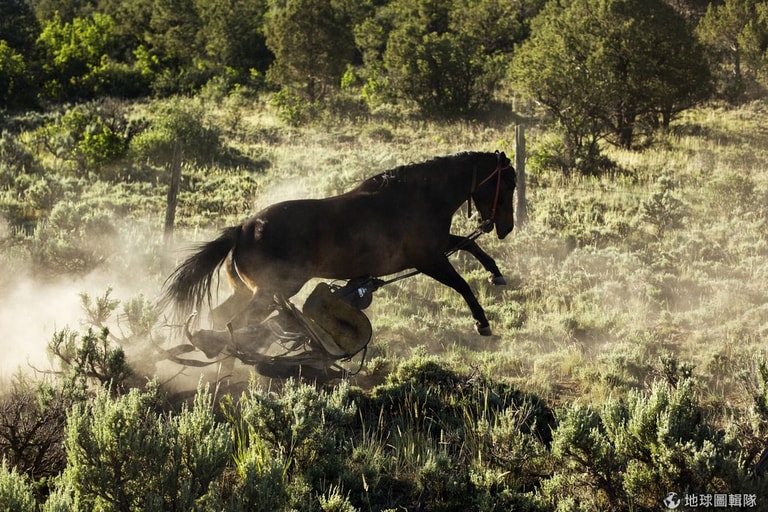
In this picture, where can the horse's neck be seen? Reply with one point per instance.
(448, 187)
(441, 187)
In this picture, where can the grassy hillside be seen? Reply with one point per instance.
(664, 258)
(629, 347)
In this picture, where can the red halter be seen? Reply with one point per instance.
(497, 172)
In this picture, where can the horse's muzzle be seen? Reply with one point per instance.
(502, 232)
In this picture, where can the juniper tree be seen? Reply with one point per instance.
(449, 57)
(312, 43)
(609, 70)
(736, 34)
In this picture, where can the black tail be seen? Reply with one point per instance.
(190, 283)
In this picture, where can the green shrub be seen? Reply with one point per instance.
(633, 451)
(437, 398)
(142, 315)
(42, 193)
(91, 358)
(179, 125)
(335, 501)
(123, 455)
(90, 136)
(448, 436)
(26, 191)
(32, 197)
(303, 426)
(73, 239)
(15, 159)
(292, 108)
(663, 210)
(15, 491)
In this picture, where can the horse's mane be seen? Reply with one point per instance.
(411, 172)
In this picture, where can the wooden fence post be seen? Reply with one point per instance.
(173, 194)
(522, 206)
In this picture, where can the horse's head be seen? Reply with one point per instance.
(493, 195)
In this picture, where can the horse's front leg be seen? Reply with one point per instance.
(443, 271)
(466, 244)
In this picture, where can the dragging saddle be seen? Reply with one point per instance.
(329, 328)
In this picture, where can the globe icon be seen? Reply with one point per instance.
(672, 501)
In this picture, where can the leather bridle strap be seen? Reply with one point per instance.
(497, 173)
(496, 195)
(472, 191)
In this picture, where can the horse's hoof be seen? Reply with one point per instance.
(497, 280)
(483, 330)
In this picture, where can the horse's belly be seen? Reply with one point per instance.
(341, 239)
(347, 269)
(371, 255)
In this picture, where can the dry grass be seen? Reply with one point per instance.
(668, 256)
(599, 290)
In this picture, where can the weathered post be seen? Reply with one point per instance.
(522, 206)
(173, 194)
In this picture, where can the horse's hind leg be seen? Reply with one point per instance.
(443, 271)
(466, 244)
(262, 301)
(229, 310)
(235, 304)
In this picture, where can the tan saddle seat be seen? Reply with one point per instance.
(340, 328)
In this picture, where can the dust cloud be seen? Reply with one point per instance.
(31, 313)
(37, 300)
(34, 307)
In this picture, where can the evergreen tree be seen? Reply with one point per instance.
(231, 35)
(736, 33)
(610, 69)
(448, 57)
(65, 10)
(174, 26)
(19, 30)
(312, 42)
(13, 75)
(18, 25)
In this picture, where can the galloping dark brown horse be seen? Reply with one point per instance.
(396, 220)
